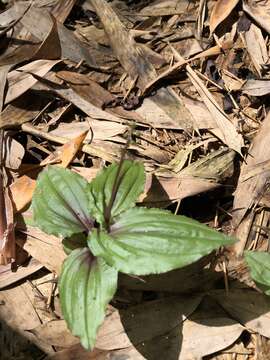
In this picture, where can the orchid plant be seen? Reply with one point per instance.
(104, 233)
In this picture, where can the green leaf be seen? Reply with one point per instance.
(86, 286)
(149, 241)
(259, 264)
(60, 203)
(130, 186)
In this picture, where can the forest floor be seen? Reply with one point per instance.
(180, 86)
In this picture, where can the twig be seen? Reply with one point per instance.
(87, 148)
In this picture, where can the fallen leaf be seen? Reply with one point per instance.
(249, 307)
(22, 190)
(13, 153)
(138, 324)
(253, 186)
(259, 11)
(166, 7)
(139, 69)
(95, 94)
(214, 331)
(55, 333)
(220, 12)
(228, 133)
(256, 87)
(47, 249)
(23, 109)
(9, 277)
(98, 129)
(4, 69)
(77, 352)
(66, 153)
(18, 313)
(21, 79)
(256, 47)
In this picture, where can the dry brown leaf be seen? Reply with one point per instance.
(166, 7)
(20, 80)
(9, 277)
(22, 190)
(18, 313)
(254, 186)
(138, 324)
(220, 12)
(259, 11)
(66, 153)
(95, 94)
(256, 87)
(55, 333)
(228, 133)
(249, 307)
(208, 330)
(38, 22)
(79, 101)
(47, 249)
(62, 9)
(23, 109)
(4, 69)
(139, 69)
(98, 129)
(232, 82)
(69, 150)
(256, 47)
(13, 153)
(77, 352)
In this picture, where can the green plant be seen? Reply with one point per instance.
(105, 233)
(259, 264)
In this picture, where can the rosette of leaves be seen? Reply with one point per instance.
(105, 233)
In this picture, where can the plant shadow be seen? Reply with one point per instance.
(13, 345)
(158, 329)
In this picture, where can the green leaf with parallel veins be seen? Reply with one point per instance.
(131, 181)
(87, 284)
(259, 264)
(60, 204)
(150, 241)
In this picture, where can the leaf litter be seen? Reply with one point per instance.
(189, 81)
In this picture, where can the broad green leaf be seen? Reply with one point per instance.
(60, 203)
(130, 186)
(259, 264)
(74, 242)
(87, 284)
(148, 241)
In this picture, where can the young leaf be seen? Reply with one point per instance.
(86, 286)
(60, 204)
(148, 241)
(259, 264)
(130, 181)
